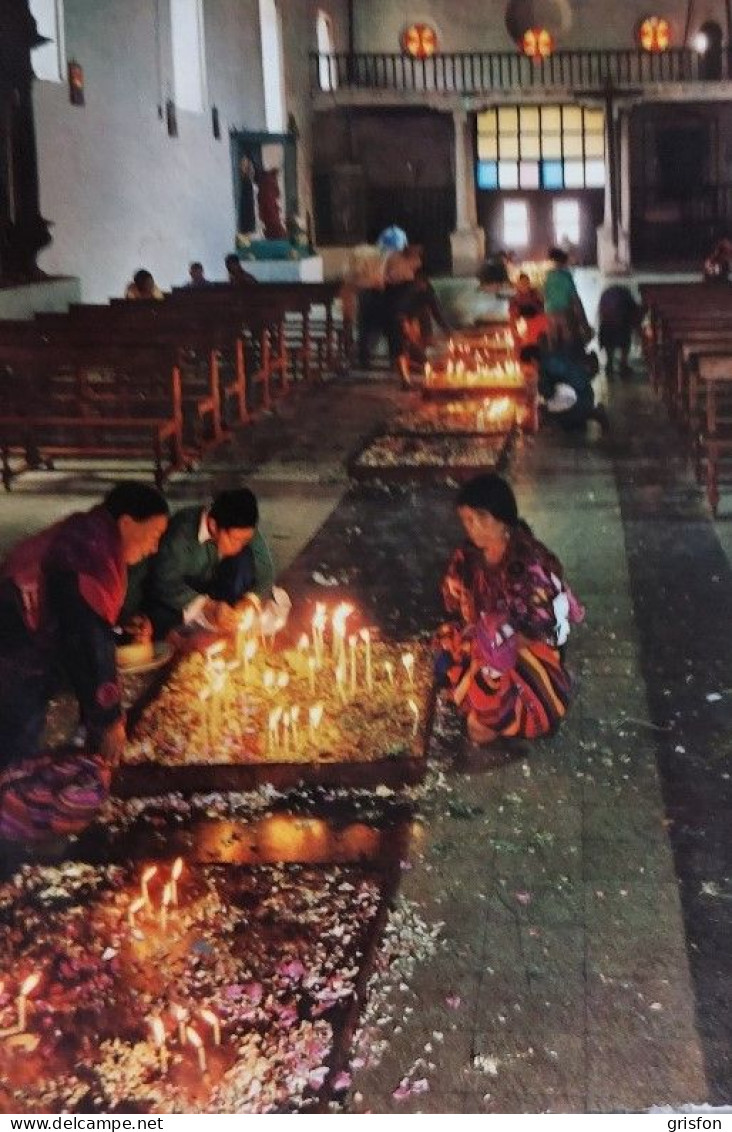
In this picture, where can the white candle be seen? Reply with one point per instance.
(294, 717)
(315, 715)
(210, 1017)
(366, 638)
(286, 731)
(318, 630)
(408, 662)
(147, 876)
(158, 1036)
(26, 987)
(180, 1014)
(340, 676)
(250, 651)
(164, 902)
(268, 680)
(415, 712)
(312, 663)
(273, 729)
(135, 907)
(196, 1041)
(352, 642)
(341, 615)
(174, 878)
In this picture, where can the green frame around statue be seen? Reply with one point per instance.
(246, 143)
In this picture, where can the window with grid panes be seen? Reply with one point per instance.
(541, 147)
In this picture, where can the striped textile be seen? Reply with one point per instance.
(526, 701)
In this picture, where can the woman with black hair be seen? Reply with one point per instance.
(502, 656)
(61, 593)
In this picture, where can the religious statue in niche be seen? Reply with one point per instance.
(247, 218)
(268, 184)
(23, 231)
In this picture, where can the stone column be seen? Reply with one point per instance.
(23, 231)
(468, 240)
(613, 237)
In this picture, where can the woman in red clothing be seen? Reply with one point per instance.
(503, 657)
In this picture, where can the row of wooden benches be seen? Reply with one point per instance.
(688, 346)
(167, 379)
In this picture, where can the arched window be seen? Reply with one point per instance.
(189, 55)
(327, 69)
(273, 70)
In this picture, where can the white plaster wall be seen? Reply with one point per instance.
(122, 194)
(479, 25)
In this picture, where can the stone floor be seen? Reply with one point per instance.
(585, 881)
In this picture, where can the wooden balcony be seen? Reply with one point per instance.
(353, 77)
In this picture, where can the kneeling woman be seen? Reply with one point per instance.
(503, 660)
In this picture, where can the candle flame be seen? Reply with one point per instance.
(340, 616)
(209, 1016)
(194, 1037)
(178, 1012)
(353, 640)
(149, 873)
(136, 905)
(303, 644)
(319, 616)
(250, 650)
(268, 678)
(283, 680)
(246, 621)
(294, 714)
(215, 649)
(365, 635)
(413, 708)
(158, 1030)
(315, 715)
(177, 868)
(167, 896)
(30, 984)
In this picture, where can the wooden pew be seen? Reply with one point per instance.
(40, 419)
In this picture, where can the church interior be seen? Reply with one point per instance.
(365, 535)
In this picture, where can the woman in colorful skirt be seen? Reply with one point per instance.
(503, 657)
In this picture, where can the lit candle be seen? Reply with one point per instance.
(286, 731)
(180, 1014)
(408, 662)
(147, 876)
(366, 638)
(196, 1041)
(174, 878)
(283, 680)
(389, 669)
(303, 644)
(273, 720)
(294, 717)
(26, 987)
(210, 1017)
(158, 1036)
(164, 902)
(352, 642)
(135, 907)
(341, 615)
(268, 680)
(213, 651)
(340, 676)
(244, 628)
(415, 712)
(250, 651)
(318, 630)
(312, 663)
(315, 715)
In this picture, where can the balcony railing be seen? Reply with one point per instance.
(487, 72)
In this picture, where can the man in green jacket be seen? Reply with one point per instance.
(209, 560)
